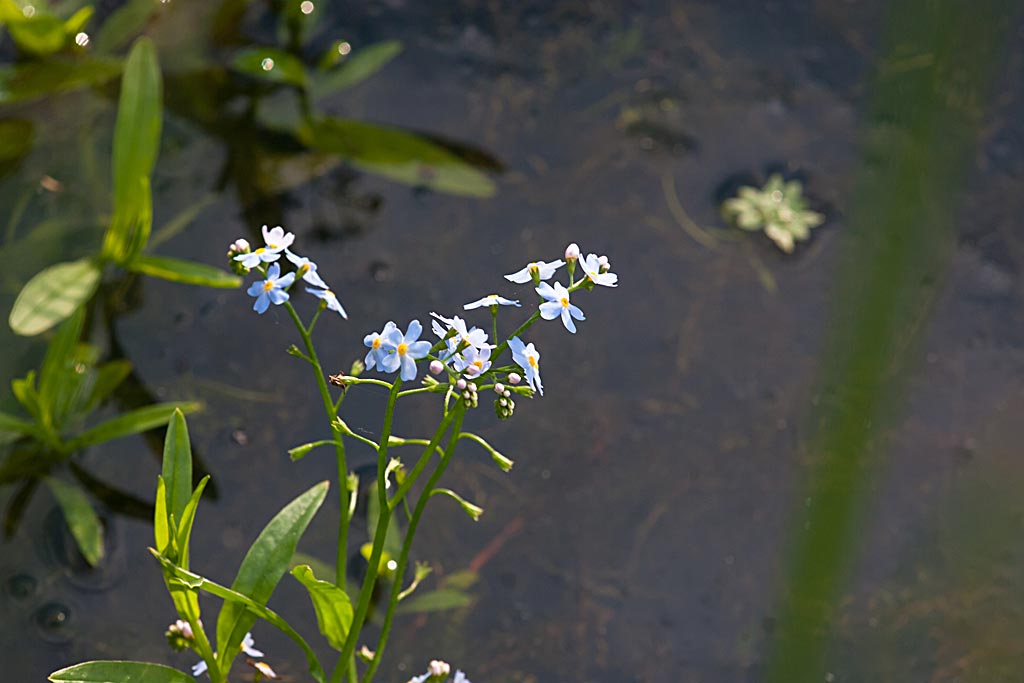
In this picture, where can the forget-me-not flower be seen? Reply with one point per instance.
(491, 300)
(375, 340)
(592, 267)
(558, 304)
(474, 337)
(404, 350)
(474, 362)
(271, 290)
(277, 240)
(527, 357)
(331, 298)
(247, 647)
(542, 270)
(305, 269)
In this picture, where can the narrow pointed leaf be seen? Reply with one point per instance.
(161, 525)
(119, 672)
(108, 378)
(270, 64)
(177, 465)
(82, 520)
(25, 391)
(333, 607)
(188, 518)
(264, 565)
(16, 426)
(32, 80)
(132, 422)
(435, 601)
(52, 295)
(359, 66)
(56, 362)
(185, 272)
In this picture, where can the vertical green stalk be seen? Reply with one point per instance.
(339, 447)
(403, 558)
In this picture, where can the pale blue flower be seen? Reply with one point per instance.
(542, 270)
(199, 668)
(403, 351)
(331, 299)
(247, 646)
(271, 290)
(527, 357)
(460, 677)
(592, 267)
(474, 337)
(474, 362)
(491, 300)
(558, 304)
(375, 341)
(277, 240)
(305, 269)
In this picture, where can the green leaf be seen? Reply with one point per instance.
(132, 422)
(270, 64)
(188, 518)
(108, 377)
(332, 605)
(15, 425)
(124, 23)
(33, 80)
(435, 601)
(25, 391)
(57, 365)
(177, 465)
(397, 155)
(42, 35)
(77, 21)
(119, 672)
(52, 295)
(161, 522)
(359, 66)
(264, 565)
(83, 521)
(136, 144)
(186, 272)
(15, 142)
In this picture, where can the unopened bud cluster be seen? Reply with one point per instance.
(237, 248)
(504, 406)
(467, 390)
(180, 636)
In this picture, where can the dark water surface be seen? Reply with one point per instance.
(647, 531)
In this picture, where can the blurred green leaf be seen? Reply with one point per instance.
(15, 426)
(435, 601)
(108, 377)
(82, 520)
(77, 21)
(119, 672)
(52, 295)
(397, 155)
(132, 422)
(359, 66)
(270, 64)
(186, 272)
(177, 465)
(333, 607)
(15, 142)
(24, 390)
(57, 365)
(30, 81)
(136, 144)
(123, 24)
(264, 565)
(188, 518)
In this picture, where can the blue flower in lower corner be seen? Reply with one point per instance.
(404, 350)
(271, 290)
(331, 299)
(527, 357)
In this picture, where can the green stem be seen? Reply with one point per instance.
(339, 448)
(432, 445)
(403, 558)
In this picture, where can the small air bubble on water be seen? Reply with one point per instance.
(267, 64)
(344, 48)
(306, 7)
(29, 11)
(82, 39)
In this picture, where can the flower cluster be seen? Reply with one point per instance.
(437, 672)
(180, 628)
(274, 289)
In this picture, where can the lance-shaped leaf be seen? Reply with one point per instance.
(119, 672)
(333, 607)
(136, 143)
(108, 377)
(270, 64)
(52, 295)
(33, 80)
(12, 427)
(161, 520)
(55, 368)
(263, 566)
(356, 68)
(185, 272)
(132, 422)
(188, 518)
(82, 520)
(177, 465)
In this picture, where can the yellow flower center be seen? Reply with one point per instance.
(268, 285)
(479, 364)
(402, 348)
(272, 245)
(376, 343)
(260, 250)
(565, 302)
(532, 361)
(534, 268)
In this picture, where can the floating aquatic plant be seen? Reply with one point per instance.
(778, 208)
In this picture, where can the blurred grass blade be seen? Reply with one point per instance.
(15, 426)
(435, 601)
(359, 66)
(39, 34)
(132, 422)
(186, 272)
(123, 24)
(264, 565)
(33, 80)
(136, 143)
(57, 362)
(84, 523)
(109, 377)
(119, 672)
(397, 155)
(52, 295)
(16, 137)
(177, 465)
(333, 607)
(271, 65)
(25, 392)
(77, 21)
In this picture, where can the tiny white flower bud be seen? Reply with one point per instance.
(572, 252)
(436, 367)
(472, 370)
(461, 384)
(241, 246)
(439, 668)
(515, 378)
(503, 401)
(499, 388)
(506, 393)
(603, 265)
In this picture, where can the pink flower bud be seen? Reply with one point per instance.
(241, 247)
(436, 367)
(439, 668)
(572, 252)
(472, 370)
(461, 384)
(499, 388)
(514, 378)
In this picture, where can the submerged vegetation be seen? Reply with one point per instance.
(778, 209)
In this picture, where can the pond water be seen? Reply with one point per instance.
(741, 455)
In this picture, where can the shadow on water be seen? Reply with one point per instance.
(928, 99)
